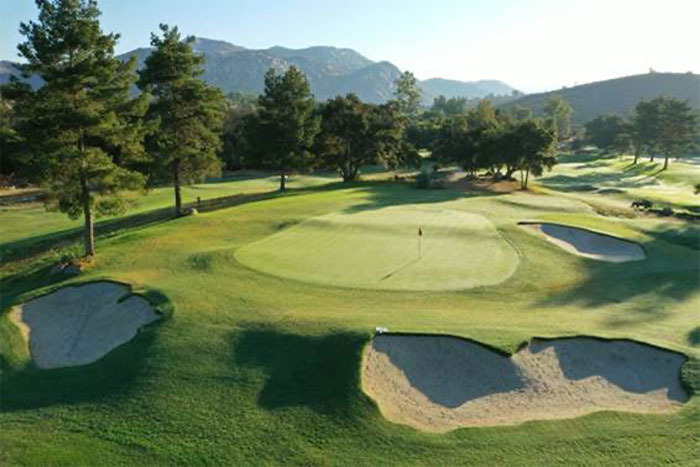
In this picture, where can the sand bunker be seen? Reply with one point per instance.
(439, 383)
(77, 325)
(588, 243)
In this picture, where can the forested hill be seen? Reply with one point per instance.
(330, 70)
(618, 96)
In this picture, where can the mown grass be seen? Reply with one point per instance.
(250, 368)
(618, 179)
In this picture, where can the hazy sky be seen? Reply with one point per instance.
(533, 45)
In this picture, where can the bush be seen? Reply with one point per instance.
(423, 180)
(426, 181)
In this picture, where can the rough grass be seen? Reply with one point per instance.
(254, 368)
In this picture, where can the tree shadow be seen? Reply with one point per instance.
(384, 194)
(449, 370)
(593, 181)
(26, 247)
(670, 271)
(318, 372)
(631, 366)
(581, 157)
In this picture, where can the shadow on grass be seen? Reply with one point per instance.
(318, 372)
(670, 271)
(104, 229)
(582, 157)
(388, 193)
(694, 337)
(593, 181)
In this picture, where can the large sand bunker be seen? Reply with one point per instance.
(439, 383)
(77, 325)
(588, 243)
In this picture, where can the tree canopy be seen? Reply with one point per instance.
(186, 114)
(283, 132)
(82, 126)
(559, 110)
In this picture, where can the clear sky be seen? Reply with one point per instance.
(533, 45)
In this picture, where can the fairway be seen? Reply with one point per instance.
(382, 249)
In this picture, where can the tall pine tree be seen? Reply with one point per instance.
(286, 126)
(82, 124)
(186, 112)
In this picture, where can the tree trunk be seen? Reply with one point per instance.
(89, 231)
(665, 162)
(636, 156)
(651, 158)
(176, 186)
(283, 185)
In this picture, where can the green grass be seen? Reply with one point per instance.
(24, 224)
(255, 368)
(619, 180)
(381, 249)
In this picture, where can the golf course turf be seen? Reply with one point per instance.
(264, 366)
(410, 247)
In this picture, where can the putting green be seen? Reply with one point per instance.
(379, 249)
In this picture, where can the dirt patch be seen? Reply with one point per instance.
(77, 325)
(439, 383)
(589, 244)
(459, 180)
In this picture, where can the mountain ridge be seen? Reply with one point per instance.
(330, 70)
(617, 95)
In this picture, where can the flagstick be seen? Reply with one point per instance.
(420, 246)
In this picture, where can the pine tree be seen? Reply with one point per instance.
(286, 126)
(187, 113)
(82, 126)
(407, 93)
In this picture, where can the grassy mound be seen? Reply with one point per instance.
(382, 249)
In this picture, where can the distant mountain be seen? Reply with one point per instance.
(330, 70)
(7, 69)
(473, 89)
(618, 96)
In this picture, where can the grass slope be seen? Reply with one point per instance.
(253, 368)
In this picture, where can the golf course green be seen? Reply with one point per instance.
(268, 304)
(413, 247)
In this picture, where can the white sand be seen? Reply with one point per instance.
(77, 325)
(439, 383)
(589, 244)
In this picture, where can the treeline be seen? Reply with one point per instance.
(662, 126)
(286, 130)
(87, 137)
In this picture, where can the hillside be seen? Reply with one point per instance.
(451, 88)
(618, 96)
(7, 69)
(330, 70)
